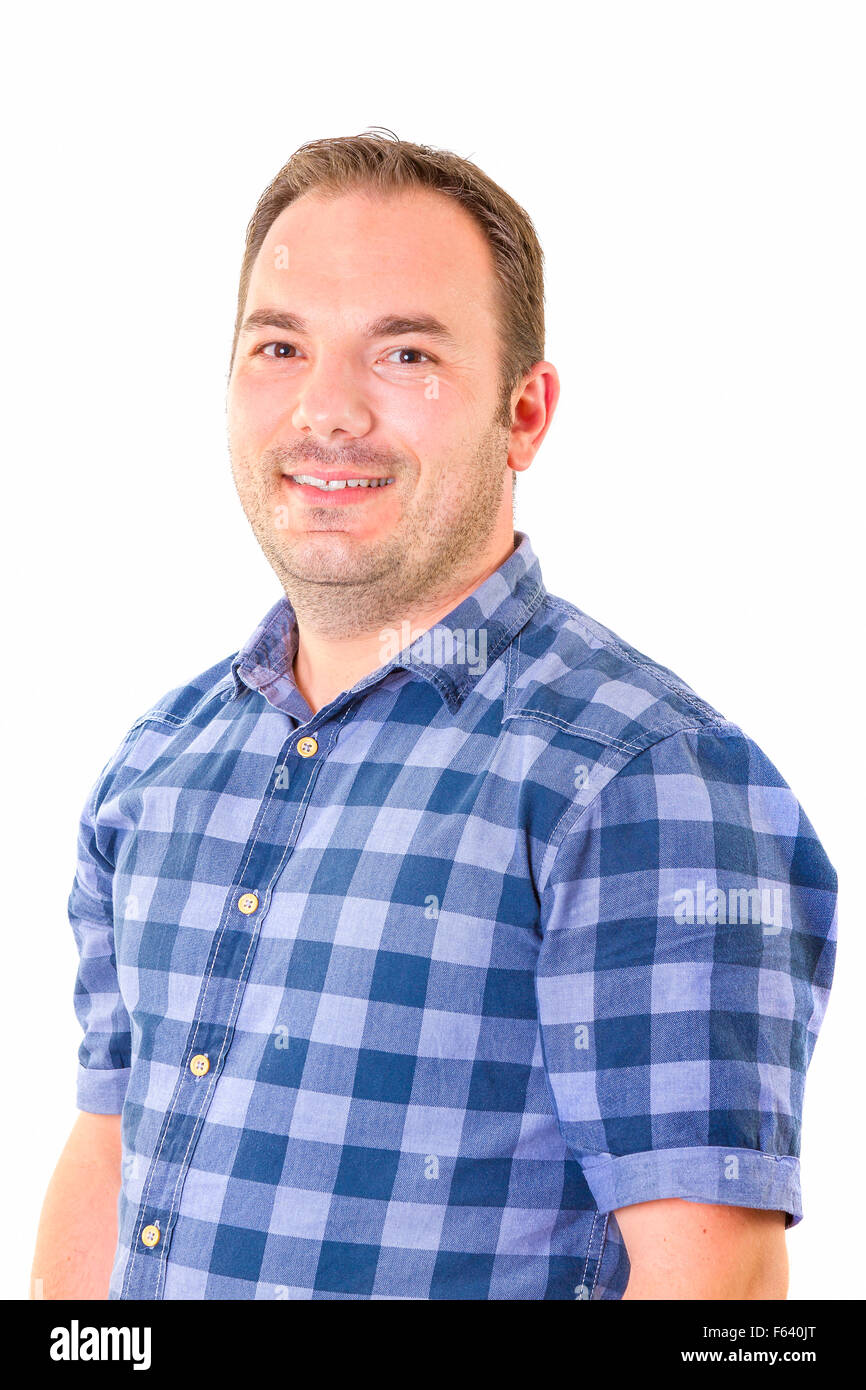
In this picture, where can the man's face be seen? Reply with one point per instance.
(329, 385)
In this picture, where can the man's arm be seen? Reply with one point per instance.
(691, 1250)
(78, 1227)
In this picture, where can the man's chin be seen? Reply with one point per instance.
(335, 557)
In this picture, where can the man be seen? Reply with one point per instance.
(437, 944)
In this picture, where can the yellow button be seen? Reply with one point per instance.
(150, 1236)
(307, 747)
(247, 903)
(200, 1065)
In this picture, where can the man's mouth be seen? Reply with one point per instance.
(336, 484)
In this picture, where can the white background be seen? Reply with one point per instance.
(695, 173)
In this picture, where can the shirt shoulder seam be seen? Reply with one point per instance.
(573, 814)
(634, 658)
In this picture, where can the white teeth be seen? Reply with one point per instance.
(324, 485)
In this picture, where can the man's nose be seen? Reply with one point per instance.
(331, 399)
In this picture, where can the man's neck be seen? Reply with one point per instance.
(325, 665)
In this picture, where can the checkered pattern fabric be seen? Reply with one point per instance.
(406, 998)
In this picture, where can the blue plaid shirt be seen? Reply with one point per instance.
(404, 998)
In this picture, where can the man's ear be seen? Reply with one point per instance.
(532, 406)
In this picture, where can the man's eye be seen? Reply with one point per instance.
(279, 349)
(404, 351)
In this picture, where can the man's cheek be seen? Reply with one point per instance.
(257, 411)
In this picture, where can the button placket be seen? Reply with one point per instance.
(264, 858)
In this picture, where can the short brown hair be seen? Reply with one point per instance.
(379, 160)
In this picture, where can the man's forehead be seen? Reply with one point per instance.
(374, 243)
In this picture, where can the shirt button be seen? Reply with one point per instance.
(247, 903)
(200, 1065)
(307, 747)
(150, 1236)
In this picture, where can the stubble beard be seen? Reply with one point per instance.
(341, 587)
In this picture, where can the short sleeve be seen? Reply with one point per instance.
(104, 1056)
(688, 945)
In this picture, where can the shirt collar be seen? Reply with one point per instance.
(452, 656)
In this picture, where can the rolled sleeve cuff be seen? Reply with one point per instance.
(102, 1092)
(727, 1177)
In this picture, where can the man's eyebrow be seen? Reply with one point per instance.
(389, 326)
(395, 326)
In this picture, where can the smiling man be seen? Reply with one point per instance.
(437, 944)
(369, 430)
